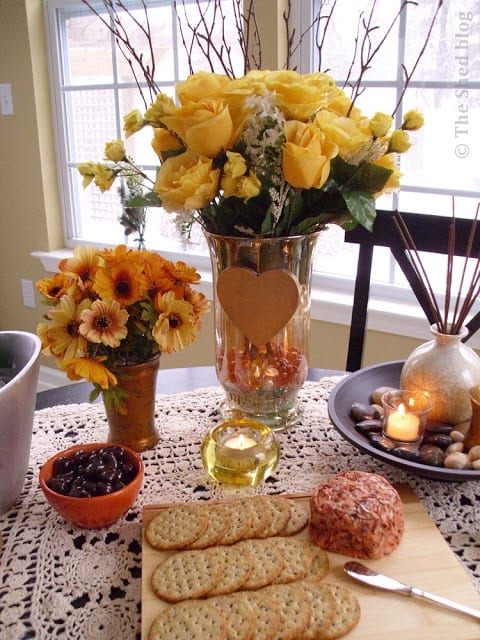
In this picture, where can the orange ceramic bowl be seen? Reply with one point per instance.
(93, 512)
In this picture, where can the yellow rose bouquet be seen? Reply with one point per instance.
(272, 153)
(114, 307)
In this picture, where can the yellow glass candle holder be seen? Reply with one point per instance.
(405, 415)
(240, 452)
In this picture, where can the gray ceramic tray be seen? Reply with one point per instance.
(357, 387)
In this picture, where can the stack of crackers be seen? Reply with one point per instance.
(234, 571)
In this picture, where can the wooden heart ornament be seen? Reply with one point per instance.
(259, 305)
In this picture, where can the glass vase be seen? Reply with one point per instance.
(446, 369)
(262, 321)
(136, 427)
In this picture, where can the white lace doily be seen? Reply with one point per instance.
(58, 581)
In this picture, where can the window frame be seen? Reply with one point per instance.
(331, 294)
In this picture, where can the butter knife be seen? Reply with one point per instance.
(360, 572)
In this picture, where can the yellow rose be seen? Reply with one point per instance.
(306, 155)
(87, 171)
(163, 141)
(115, 150)
(235, 165)
(243, 187)
(104, 176)
(163, 106)
(388, 161)
(234, 181)
(380, 124)
(399, 141)
(205, 127)
(412, 120)
(352, 142)
(342, 105)
(133, 122)
(199, 86)
(300, 96)
(186, 181)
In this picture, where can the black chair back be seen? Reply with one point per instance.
(430, 234)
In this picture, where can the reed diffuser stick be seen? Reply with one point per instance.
(449, 321)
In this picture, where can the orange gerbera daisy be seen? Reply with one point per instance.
(82, 265)
(124, 282)
(105, 322)
(198, 301)
(120, 253)
(55, 287)
(63, 335)
(91, 369)
(174, 328)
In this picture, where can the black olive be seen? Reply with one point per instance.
(93, 469)
(87, 474)
(109, 459)
(59, 485)
(103, 488)
(62, 465)
(107, 474)
(79, 492)
(128, 472)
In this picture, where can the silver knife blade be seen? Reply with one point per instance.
(360, 572)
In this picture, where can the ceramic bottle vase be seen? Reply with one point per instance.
(446, 369)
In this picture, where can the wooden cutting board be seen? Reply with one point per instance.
(423, 559)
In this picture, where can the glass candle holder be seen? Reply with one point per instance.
(405, 415)
(240, 452)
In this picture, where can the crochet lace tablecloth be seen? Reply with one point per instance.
(59, 581)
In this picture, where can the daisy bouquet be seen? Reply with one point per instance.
(114, 307)
(270, 154)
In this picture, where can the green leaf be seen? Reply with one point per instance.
(361, 206)
(149, 199)
(370, 177)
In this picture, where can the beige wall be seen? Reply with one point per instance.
(29, 209)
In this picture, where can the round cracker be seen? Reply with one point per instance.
(323, 609)
(189, 621)
(238, 614)
(261, 511)
(280, 515)
(241, 517)
(320, 563)
(297, 554)
(348, 613)
(266, 613)
(294, 607)
(176, 527)
(299, 517)
(218, 518)
(267, 562)
(235, 572)
(187, 574)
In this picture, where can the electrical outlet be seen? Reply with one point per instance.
(6, 100)
(28, 293)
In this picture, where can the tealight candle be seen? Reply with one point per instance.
(240, 441)
(241, 452)
(405, 415)
(402, 425)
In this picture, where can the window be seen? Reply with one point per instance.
(93, 87)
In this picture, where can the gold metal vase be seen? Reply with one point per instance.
(136, 428)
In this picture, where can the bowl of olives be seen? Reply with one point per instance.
(92, 485)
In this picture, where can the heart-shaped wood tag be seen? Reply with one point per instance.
(260, 305)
